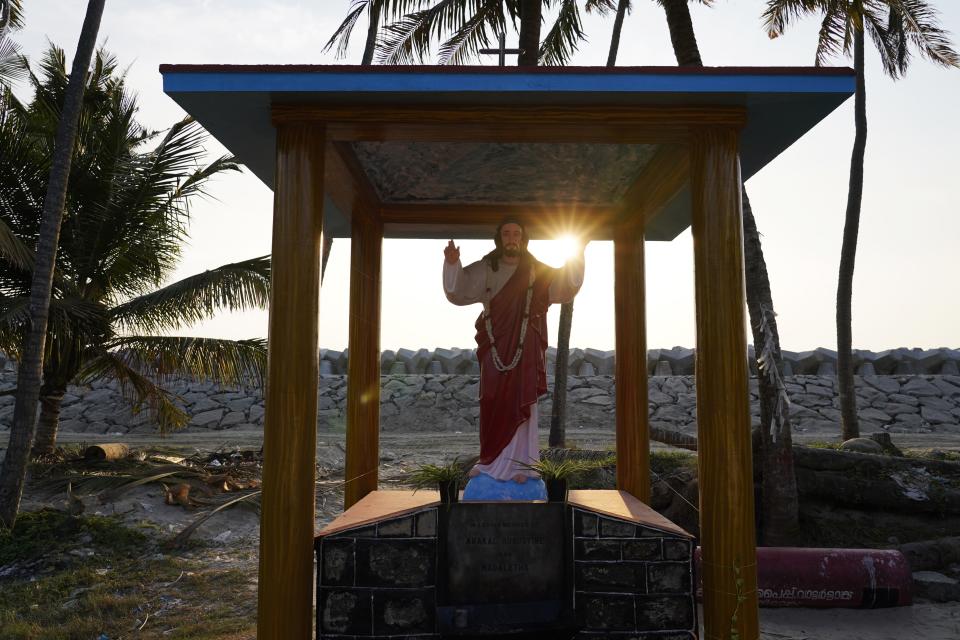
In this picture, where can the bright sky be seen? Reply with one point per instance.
(906, 286)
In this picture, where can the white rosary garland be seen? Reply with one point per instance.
(497, 362)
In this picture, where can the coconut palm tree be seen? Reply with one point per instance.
(893, 25)
(780, 507)
(779, 501)
(30, 371)
(125, 222)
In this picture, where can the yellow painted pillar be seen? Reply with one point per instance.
(633, 429)
(285, 593)
(723, 399)
(363, 381)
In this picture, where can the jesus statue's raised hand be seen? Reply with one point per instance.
(451, 253)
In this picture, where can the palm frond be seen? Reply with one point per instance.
(602, 7)
(835, 37)
(169, 473)
(919, 22)
(221, 361)
(13, 250)
(14, 316)
(196, 182)
(138, 389)
(11, 14)
(780, 13)
(182, 537)
(69, 318)
(142, 224)
(407, 41)
(95, 479)
(465, 43)
(12, 68)
(178, 153)
(564, 37)
(889, 41)
(894, 48)
(237, 286)
(341, 37)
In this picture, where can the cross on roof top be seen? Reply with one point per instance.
(502, 51)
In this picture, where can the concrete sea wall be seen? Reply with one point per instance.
(898, 403)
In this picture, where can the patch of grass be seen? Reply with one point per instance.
(77, 578)
(43, 533)
(822, 444)
(948, 455)
(666, 462)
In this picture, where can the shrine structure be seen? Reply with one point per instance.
(628, 154)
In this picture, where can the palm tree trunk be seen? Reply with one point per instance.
(848, 253)
(49, 421)
(617, 28)
(780, 501)
(558, 421)
(682, 36)
(371, 44)
(31, 365)
(531, 12)
(780, 517)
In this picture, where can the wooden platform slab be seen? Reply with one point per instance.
(381, 505)
(620, 504)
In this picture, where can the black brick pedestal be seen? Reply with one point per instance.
(379, 580)
(628, 581)
(631, 581)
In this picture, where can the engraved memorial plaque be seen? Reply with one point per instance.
(504, 553)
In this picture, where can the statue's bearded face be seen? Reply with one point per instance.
(511, 239)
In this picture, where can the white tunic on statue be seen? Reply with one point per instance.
(479, 283)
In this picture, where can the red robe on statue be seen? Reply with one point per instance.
(506, 397)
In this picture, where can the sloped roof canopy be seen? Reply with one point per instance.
(439, 147)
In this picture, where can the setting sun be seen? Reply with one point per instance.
(557, 251)
(567, 246)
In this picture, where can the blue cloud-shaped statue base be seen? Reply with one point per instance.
(483, 487)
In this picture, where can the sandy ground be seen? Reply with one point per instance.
(236, 532)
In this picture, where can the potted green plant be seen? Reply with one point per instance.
(446, 478)
(556, 475)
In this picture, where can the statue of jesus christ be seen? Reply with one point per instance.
(515, 290)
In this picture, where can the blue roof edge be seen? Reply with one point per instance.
(567, 82)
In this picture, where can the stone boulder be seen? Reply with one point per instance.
(862, 445)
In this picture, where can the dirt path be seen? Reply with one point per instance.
(433, 445)
(922, 621)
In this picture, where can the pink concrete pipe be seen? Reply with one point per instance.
(825, 578)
